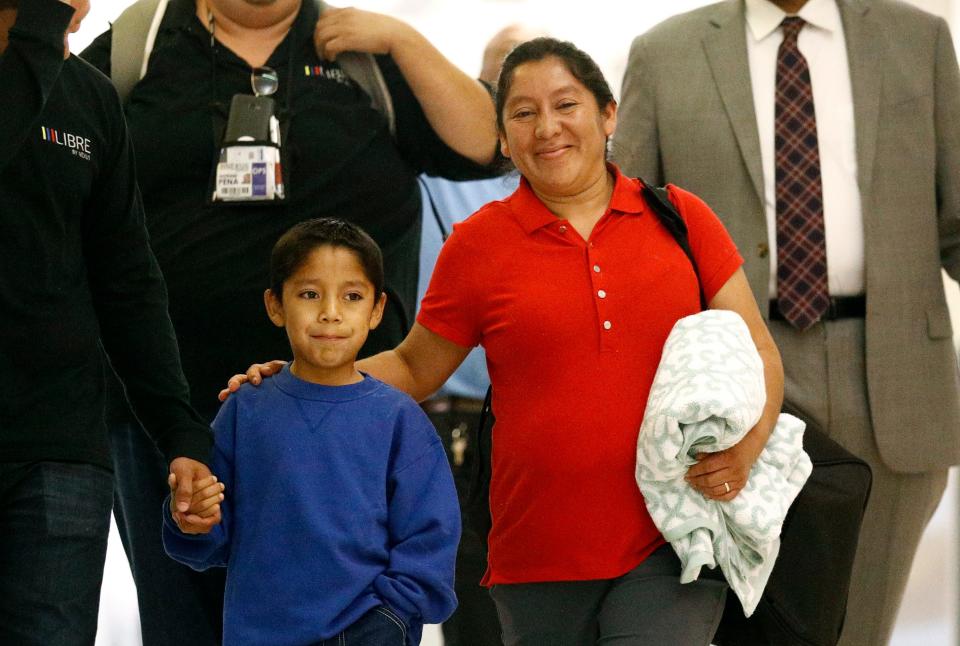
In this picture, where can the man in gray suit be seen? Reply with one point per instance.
(829, 144)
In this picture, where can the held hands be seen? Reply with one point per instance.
(722, 475)
(195, 496)
(343, 30)
(254, 375)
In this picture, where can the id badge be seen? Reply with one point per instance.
(249, 172)
(249, 168)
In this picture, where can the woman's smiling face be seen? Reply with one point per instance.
(553, 129)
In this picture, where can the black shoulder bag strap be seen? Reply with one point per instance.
(477, 504)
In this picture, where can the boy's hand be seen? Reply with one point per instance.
(207, 496)
(254, 375)
(184, 473)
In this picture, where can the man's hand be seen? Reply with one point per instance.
(82, 8)
(187, 476)
(254, 375)
(355, 30)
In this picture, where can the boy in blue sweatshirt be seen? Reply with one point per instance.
(340, 523)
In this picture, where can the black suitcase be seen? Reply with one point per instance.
(805, 601)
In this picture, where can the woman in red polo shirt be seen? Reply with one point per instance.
(572, 285)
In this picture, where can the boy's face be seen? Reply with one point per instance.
(328, 308)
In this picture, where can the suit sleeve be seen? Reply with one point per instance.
(424, 525)
(947, 123)
(29, 69)
(203, 551)
(636, 143)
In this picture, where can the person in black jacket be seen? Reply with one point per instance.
(77, 278)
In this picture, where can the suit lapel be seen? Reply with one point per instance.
(725, 45)
(866, 75)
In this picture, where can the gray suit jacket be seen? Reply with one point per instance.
(687, 117)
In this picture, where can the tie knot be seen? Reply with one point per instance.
(791, 27)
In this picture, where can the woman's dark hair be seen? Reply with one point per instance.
(294, 246)
(578, 63)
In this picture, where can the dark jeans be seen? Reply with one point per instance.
(54, 522)
(647, 606)
(475, 622)
(379, 627)
(178, 606)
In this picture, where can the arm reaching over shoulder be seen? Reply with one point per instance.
(458, 107)
(418, 366)
(722, 475)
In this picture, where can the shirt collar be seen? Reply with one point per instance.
(532, 214)
(764, 17)
(180, 14)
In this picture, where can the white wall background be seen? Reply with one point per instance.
(460, 28)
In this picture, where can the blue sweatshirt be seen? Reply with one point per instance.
(339, 499)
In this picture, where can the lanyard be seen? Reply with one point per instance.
(218, 109)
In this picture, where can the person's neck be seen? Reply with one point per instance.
(584, 208)
(340, 376)
(8, 16)
(789, 6)
(252, 31)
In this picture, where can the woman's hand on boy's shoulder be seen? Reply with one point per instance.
(253, 375)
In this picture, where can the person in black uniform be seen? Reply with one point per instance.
(339, 158)
(77, 276)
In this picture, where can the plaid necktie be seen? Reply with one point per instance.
(802, 293)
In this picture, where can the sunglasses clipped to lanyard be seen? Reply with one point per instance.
(249, 168)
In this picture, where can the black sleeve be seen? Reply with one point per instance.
(97, 53)
(419, 145)
(29, 68)
(131, 300)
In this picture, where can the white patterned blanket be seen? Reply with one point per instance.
(707, 393)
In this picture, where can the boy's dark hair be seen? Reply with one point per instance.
(578, 63)
(9, 4)
(293, 247)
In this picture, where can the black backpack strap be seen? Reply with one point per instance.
(658, 199)
(476, 507)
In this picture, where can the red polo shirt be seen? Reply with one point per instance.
(573, 331)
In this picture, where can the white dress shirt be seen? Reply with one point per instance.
(822, 43)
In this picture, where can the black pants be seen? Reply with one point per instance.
(475, 621)
(178, 606)
(647, 606)
(54, 521)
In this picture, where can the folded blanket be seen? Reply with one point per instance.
(707, 394)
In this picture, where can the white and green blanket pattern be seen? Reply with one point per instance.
(707, 393)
